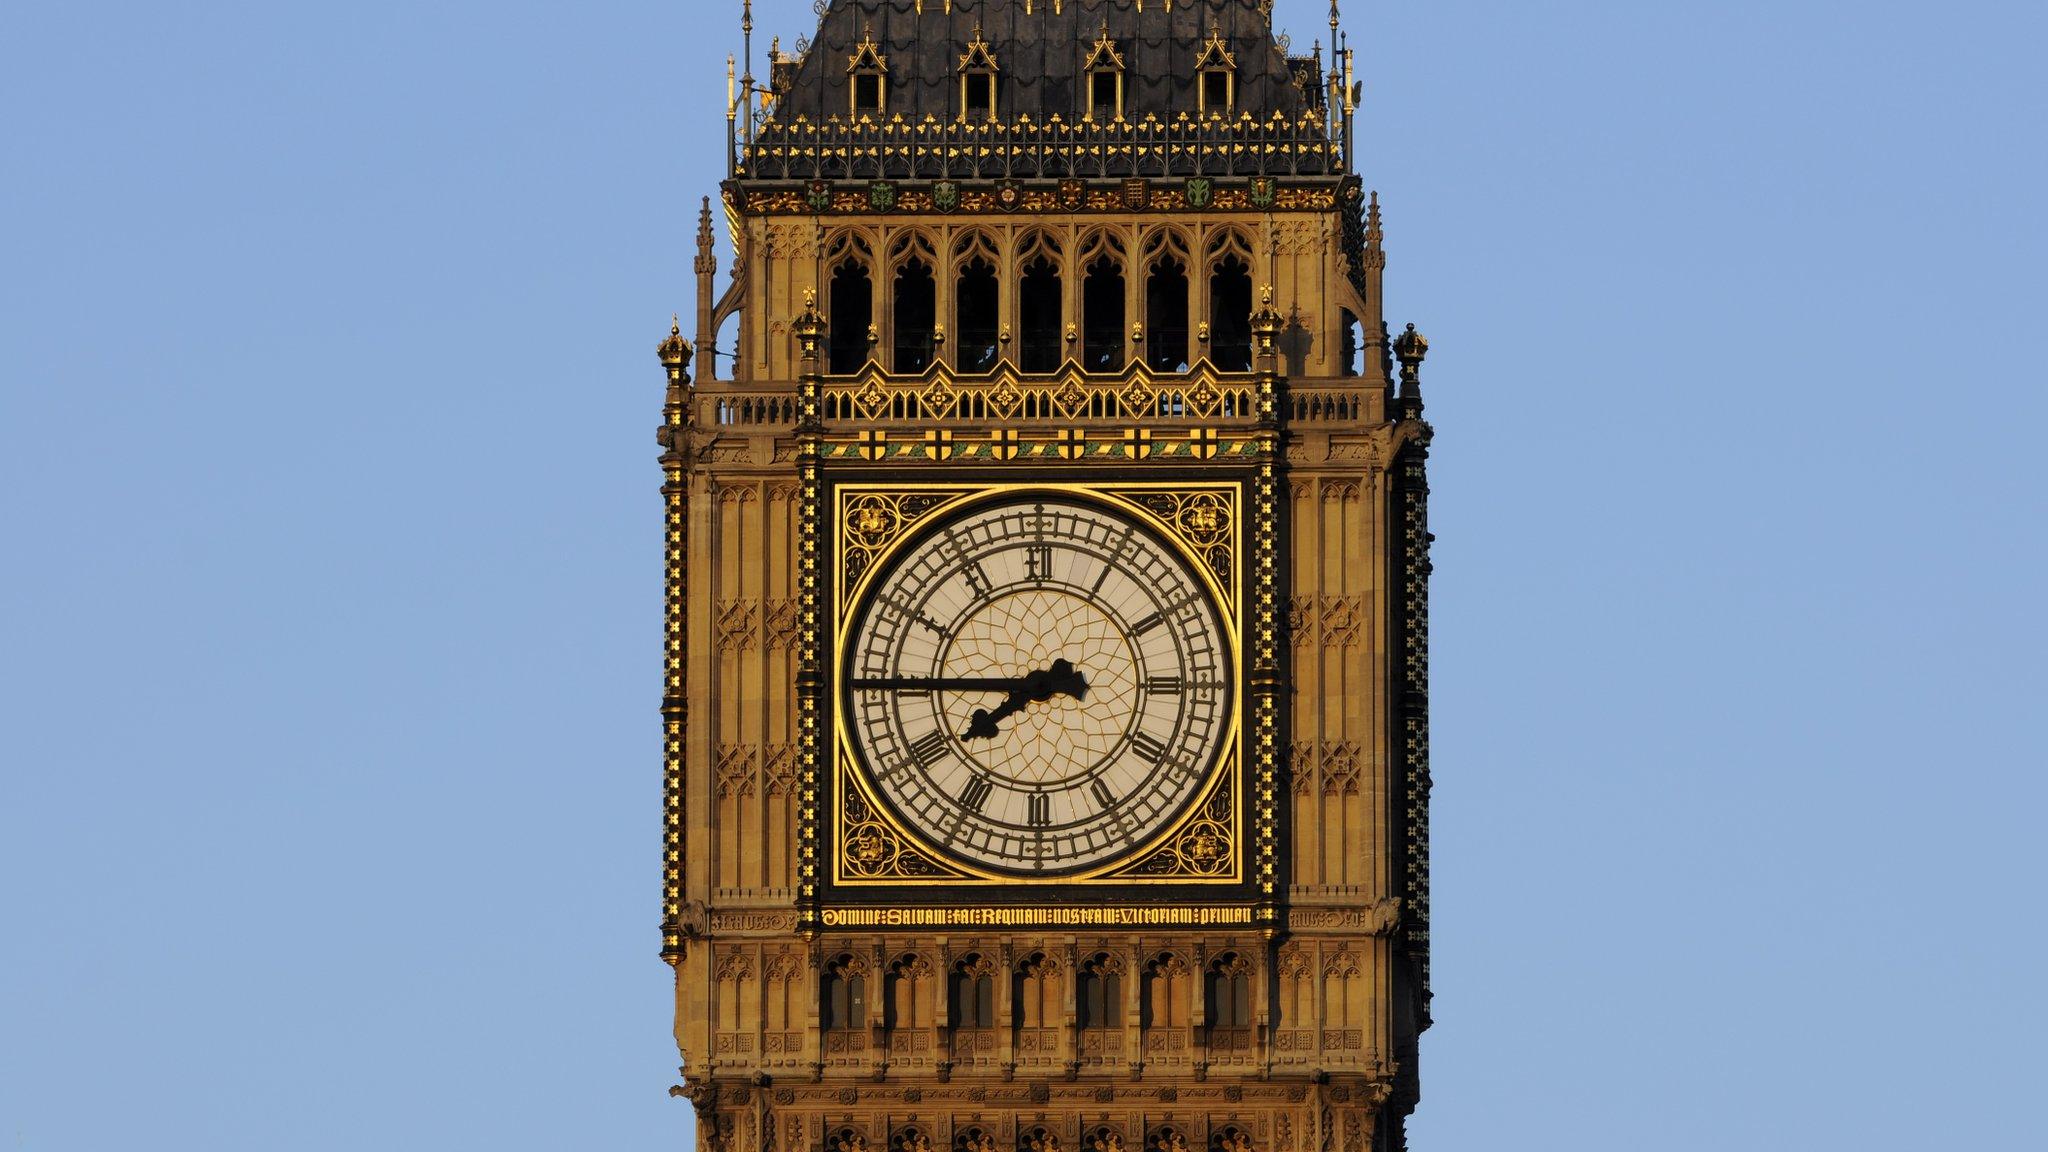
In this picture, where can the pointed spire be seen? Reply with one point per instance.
(1373, 235)
(707, 260)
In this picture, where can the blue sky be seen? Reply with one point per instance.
(328, 770)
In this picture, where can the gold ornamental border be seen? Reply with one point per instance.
(1221, 795)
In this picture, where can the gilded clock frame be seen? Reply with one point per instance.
(867, 857)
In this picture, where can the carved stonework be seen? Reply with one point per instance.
(735, 770)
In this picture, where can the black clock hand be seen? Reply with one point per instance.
(1004, 684)
(1062, 679)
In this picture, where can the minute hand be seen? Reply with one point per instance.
(938, 684)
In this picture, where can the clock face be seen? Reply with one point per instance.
(1037, 686)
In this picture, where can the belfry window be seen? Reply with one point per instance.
(853, 310)
(1166, 315)
(977, 306)
(1230, 315)
(1102, 317)
(915, 315)
(1038, 313)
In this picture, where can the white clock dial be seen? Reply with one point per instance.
(1037, 685)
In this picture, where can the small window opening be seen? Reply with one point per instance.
(1166, 317)
(1230, 316)
(1353, 342)
(981, 96)
(1102, 317)
(867, 94)
(1039, 306)
(1105, 95)
(916, 313)
(1215, 91)
(852, 312)
(977, 321)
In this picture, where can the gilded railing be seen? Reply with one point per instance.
(1000, 399)
(933, 149)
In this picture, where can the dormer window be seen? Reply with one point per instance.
(1105, 70)
(1216, 70)
(978, 73)
(868, 77)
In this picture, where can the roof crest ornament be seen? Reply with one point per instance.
(978, 54)
(867, 53)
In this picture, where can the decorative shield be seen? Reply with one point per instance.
(1073, 194)
(881, 195)
(945, 195)
(1137, 194)
(1009, 196)
(1201, 190)
(820, 196)
(1265, 190)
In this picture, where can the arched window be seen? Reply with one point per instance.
(1039, 305)
(902, 1005)
(977, 305)
(1031, 997)
(1352, 344)
(916, 313)
(1230, 992)
(1166, 305)
(853, 311)
(1164, 1003)
(1101, 992)
(1102, 315)
(1230, 315)
(971, 992)
(844, 1003)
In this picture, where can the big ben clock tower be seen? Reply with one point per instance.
(1045, 701)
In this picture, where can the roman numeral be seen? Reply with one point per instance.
(1165, 686)
(976, 793)
(1147, 624)
(1148, 747)
(1038, 562)
(1102, 795)
(1041, 809)
(929, 748)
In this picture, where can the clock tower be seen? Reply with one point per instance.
(1045, 697)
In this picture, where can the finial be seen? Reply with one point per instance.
(675, 352)
(1334, 18)
(1266, 323)
(1373, 235)
(809, 327)
(1411, 347)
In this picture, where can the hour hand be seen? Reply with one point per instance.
(1062, 679)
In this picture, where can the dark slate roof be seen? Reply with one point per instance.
(1042, 56)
